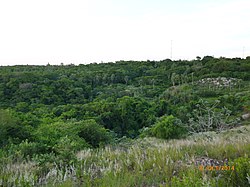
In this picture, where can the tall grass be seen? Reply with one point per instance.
(143, 162)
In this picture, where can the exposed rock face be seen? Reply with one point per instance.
(246, 116)
(220, 81)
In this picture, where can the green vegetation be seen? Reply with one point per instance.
(105, 124)
(142, 162)
(167, 127)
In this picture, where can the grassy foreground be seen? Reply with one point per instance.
(194, 161)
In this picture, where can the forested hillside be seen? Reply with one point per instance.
(49, 113)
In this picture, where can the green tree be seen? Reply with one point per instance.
(10, 129)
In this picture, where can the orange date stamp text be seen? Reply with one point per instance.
(216, 168)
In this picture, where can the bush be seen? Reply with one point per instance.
(167, 127)
(66, 149)
(145, 132)
(26, 149)
(50, 135)
(93, 133)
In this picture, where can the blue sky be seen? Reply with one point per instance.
(85, 31)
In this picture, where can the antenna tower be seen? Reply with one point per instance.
(171, 50)
(243, 54)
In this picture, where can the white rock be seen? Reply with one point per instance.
(246, 116)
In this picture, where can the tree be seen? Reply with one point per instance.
(198, 58)
(126, 79)
(153, 83)
(208, 118)
(112, 78)
(10, 129)
(173, 78)
(132, 114)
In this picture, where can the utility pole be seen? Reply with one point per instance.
(171, 50)
(243, 55)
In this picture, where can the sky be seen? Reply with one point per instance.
(39, 32)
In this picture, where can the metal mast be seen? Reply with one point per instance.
(171, 50)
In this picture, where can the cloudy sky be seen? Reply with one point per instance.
(85, 31)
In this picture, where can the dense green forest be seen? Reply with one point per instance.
(50, 114)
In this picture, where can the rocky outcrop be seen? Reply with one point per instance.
(246, 116)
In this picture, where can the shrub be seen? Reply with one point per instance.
(66, 149)
(145, 132)
(167, 127)
(93, 133)
(27, 149)
(50, 135)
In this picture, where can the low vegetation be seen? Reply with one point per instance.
(142, 162)
(149, 123)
